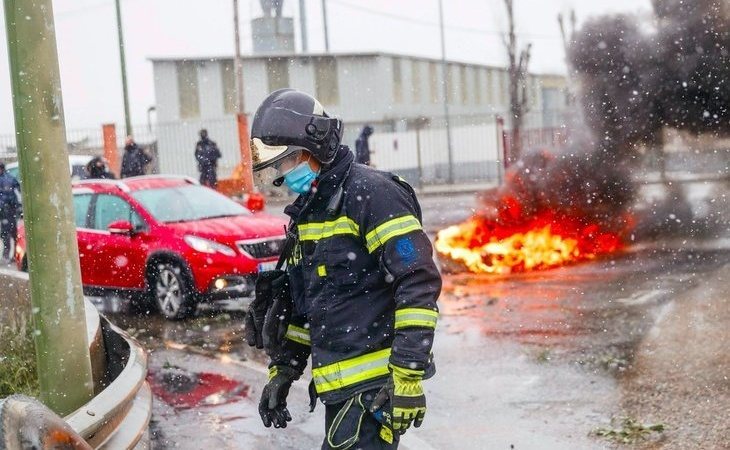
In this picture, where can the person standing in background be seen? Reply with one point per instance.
(9, 209)
(207, 154)
(135, 159)
(96, 169)
(362, 146)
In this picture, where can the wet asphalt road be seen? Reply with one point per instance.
(529, 361)
(533, 361)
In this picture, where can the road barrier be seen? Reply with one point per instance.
(116, 417)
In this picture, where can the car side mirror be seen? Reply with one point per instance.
(121, 227)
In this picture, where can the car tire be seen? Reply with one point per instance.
(170, 291)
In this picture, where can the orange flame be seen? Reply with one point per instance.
(545, 242)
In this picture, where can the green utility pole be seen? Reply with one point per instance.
(64, 366)
(123, 61)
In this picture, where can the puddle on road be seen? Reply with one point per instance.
(184, 390)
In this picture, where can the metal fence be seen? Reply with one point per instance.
(421, 154)
(418, 150)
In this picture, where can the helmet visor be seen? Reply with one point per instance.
(265, 155)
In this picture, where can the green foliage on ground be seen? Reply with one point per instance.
(18, 362)
(629, 431)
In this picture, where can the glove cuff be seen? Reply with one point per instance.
(406, 375)
(284, 371)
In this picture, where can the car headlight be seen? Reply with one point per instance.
(207, 246)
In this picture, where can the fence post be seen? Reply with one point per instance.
(501, 148)
(419, 122)
(244, 142)
(111, 151)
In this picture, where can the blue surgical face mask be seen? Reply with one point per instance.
(300, 178)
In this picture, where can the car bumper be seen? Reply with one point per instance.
(226, 287)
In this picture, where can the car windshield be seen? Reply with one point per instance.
(187, 203)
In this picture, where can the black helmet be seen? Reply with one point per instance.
(289, 121)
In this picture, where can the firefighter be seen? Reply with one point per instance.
(359, 288)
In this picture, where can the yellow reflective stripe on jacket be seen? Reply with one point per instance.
(351, 371)
(416, 317)
(315, 231)
(298, 334)
(390, 229)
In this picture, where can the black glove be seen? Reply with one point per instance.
(256, 314)
(272, 406)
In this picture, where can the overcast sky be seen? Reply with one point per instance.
(89, 59)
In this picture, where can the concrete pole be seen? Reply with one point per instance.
(324, 23)
(123, 62)
(64, 366)
(244, 140)
(303, 25)
(237, 63)
(445, 85)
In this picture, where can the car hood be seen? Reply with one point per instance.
(231, 229)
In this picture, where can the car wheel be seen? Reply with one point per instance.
(171, 292)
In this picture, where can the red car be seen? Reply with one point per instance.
(169, 238)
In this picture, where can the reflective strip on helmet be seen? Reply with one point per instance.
(416, 317)
(351, 371)
(314, 231)
(298, 334)
(390, 229)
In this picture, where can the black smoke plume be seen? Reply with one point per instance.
(635, 80)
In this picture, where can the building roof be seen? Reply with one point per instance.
(364, 54)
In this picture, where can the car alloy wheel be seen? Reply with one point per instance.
(171, 293)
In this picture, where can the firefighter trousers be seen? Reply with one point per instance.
(350, 425)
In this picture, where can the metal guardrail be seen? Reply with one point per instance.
(118, 415)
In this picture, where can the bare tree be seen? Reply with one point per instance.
(517, 71)
(568, 39)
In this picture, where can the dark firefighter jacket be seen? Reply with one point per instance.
(134, 161)
(362, 279)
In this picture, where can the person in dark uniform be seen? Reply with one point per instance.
(9, 209)
(207, 154)
(362, 146)
(96, 169)
(359, 288)
(135, 159)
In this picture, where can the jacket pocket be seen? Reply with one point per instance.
(341, 267)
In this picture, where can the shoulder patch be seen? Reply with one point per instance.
(406, 250)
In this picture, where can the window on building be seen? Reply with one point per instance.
(450, 97)
(503, 87)
(535, 92)
(228, 80)
(433, 77)
(464, 84)
(397, 80)
(326, 80)
(490, 87)
(477, 76)
(416, 80)
(277, 71)
(187, 85)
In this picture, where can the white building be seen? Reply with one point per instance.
(390, 92)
